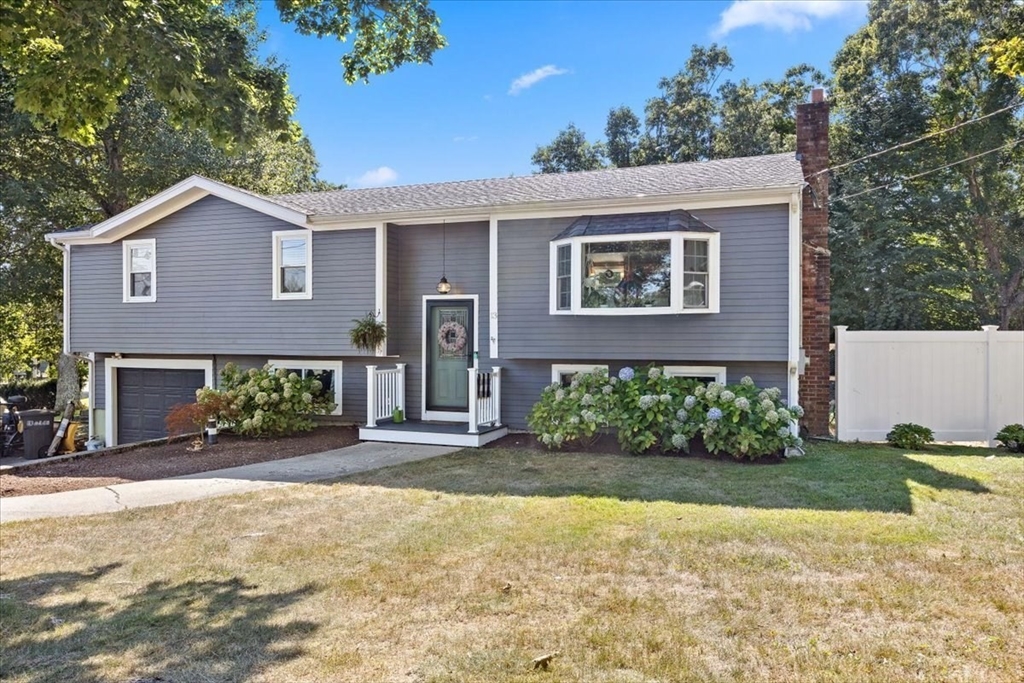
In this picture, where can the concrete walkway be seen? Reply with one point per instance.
(264, 475)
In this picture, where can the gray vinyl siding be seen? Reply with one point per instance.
(414, 253)
(752, 324)
(99, 401)
(214, 278)
(523, 380)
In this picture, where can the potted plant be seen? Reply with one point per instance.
(368, 333)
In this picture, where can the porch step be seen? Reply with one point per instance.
(431, 433)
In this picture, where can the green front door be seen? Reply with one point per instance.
(449, 333)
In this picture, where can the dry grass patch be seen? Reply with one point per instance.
(852, 564)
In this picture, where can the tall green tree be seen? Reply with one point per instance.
(569, 151)
(74, 60)
(944, 250)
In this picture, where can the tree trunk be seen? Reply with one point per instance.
(69, 388)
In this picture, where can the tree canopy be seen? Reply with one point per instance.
(73, 61)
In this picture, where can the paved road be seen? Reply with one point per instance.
(264, 475)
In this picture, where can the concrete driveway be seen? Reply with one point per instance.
(256, 477)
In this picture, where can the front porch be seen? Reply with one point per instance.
(385, 392)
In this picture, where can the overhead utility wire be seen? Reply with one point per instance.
(914, 142)
(933, 170)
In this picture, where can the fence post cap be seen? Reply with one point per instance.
(990, 328)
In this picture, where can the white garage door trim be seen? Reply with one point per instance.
(110, 395)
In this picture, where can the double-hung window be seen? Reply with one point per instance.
(139, 265)
(635, 274)
(293, 264)
(329, 372)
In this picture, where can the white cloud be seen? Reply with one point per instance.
(783, 15)
(528, 80)
(465, 138)
(377, 177)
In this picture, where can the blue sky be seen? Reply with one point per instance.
(467, 115)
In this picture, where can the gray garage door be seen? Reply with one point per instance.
(144, 397)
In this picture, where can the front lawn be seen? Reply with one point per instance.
(855, 563)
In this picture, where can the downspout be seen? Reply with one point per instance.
(89, 358)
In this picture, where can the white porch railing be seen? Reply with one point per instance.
(385, 391)
(484, 399)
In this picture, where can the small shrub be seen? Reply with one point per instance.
(747, 422)
(910, 436)
(38, 393)
(575, 413)
(1012, 438)
(185, 418)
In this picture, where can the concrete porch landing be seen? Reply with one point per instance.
(431, 433)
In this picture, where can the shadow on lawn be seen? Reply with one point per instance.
(847, 477)
(221, 630)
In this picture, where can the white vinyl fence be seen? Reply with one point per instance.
(964, 386)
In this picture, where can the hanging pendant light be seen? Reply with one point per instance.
(443, 286)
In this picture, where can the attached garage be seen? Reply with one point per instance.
(141, 391)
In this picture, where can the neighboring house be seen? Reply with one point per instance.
(714, 269)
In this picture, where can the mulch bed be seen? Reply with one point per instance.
(608, 444)
(169, 460)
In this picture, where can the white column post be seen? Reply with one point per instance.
(840, 374)
(990, 383)
(401, 387)
(371, 395)
(474, 404)
(496, 395)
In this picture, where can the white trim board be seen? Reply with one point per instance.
(794, 369)
(716, 371)
(559, 369)
(438, 414)
(111, 363)
(173, 199)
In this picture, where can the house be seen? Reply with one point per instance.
(490, 289)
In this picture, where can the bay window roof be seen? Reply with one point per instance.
(634, 223)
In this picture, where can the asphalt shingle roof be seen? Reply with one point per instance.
(634, 223)
(743, 173)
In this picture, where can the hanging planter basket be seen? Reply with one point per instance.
(368, 333)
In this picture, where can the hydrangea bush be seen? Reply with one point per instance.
(653, 412)
(574, 413)
(267, 401)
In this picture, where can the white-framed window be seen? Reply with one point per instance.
(327, 371)
(705, 373)
(638, 274)
(139, 265)
(563, 374)
(293, 264)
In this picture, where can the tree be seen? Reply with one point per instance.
(943, 250)
(48, 183)
(569, 152)
(73, 61)
(623, 135)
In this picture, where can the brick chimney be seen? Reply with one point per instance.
(812, 150)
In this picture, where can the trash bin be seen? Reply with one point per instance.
(37, 431)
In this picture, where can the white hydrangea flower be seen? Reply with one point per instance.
(716, 386)
(655, 373)
(763, 396)
(317, 385)
(665, 398)
(797, 410)
(726, 396)
(771, 416)
(700, 390)
(766, 405)
(607, 390)
(253, 372)
(573, 420)
(560, 394)
(613, 380)
(681, 415)
(246, 424)
(784, 415)
(287, 391)
(253, 390)
(742, 403)
(589, 416)
(262, 397)
(678, 441)
(573, 395)
(292, 377)
(747, 381)
(689, 402)
(774, 393)
(259, 413)
(798, 442)
(546, 439)
(647, 401)
(587, 400)
(558, 439)
(275, 397)
(783, 432)
(307, 397)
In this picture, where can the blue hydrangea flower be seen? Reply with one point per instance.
(742, 403)
(747, 381)
(714, 414)
(689, 402)
(647, 401)
(681, 415)
(678, 441)
(626, 374)
(726, 396)
(771, 416)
